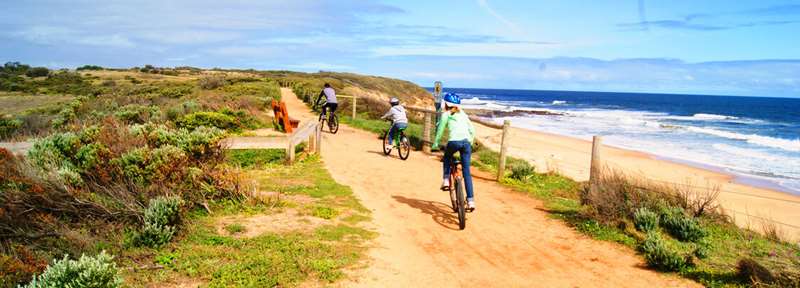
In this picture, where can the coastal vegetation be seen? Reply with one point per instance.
(127, 176)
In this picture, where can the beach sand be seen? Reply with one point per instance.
(750, 207)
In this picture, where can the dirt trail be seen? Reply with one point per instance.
(509, 241)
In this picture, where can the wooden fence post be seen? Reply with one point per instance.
(426, 134)
(318, 139)
(290, 151)
(594, 169)
(501, 167)
(355, 102)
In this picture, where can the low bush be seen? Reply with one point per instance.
(9, 126)
(89, 67)
(134, 113)
(209, 119)
(69, 112)
(660, 256)
(99, 271)
(176, 91)
(680, 225)
(160, 222)
(211, 82)
(255, 158)
(37, 72)
(645, 220)
(522, 171)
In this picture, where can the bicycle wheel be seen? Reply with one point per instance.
(333, 124)
(386, 143)
(462, 217)
(405, 147)
(452, 190)
(321, 121)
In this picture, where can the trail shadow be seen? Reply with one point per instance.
(441, 213)
(381, 153)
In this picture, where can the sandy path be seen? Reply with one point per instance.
(508, 242)
(749, 206)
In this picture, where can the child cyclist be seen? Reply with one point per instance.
(397, 113)
(462, 134)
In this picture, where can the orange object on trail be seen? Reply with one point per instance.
(282, 116)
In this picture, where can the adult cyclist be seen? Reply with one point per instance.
(331, 103)
(462, 134)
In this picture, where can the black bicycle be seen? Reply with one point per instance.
(400, 142)
(456, 189)
(333, 120)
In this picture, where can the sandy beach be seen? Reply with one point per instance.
(749, 206)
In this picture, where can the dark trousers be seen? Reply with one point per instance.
(332, 107)
(465, 150)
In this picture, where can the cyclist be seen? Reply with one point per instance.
(462, 134)
(330, 96)
(397, 113)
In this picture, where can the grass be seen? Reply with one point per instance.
(235, 228)
(727, 243)
(321, 254)
(254, 158)
(413, 132)
(15, 103)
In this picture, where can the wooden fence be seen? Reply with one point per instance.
(308, 132)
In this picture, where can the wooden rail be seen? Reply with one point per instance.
(308, 132)
(355, 102)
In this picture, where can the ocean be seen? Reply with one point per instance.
(754, 138)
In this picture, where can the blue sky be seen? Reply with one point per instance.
(702, 47)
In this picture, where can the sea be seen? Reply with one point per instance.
(756, 139)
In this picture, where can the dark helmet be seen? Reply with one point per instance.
(327, 85)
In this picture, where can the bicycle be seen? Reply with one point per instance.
(456, 189)
(402, 143)
(333, 122)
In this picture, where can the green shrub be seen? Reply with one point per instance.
(89, 67)
(8, 126)
(522, 171)
(99, 271)
(175, 91)
(69, 112)
(680, 225)
(37, 72)
(645, 220)
(161, 218)
(137, 113)
(211, 82)
(209, 119)
(658, 255)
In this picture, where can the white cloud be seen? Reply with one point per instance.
(491, 11)
(52, 35)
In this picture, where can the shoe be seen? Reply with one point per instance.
(388, 146)
(471, 205)
(445, 184)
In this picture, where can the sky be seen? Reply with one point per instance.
(712, 47)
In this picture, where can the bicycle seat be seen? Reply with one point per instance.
(456, 161)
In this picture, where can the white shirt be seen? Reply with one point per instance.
(330, 95)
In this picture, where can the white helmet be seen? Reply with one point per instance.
(394, 101)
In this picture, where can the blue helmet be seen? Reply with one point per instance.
(451, 99)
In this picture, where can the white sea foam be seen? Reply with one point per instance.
(558, 102)
(780, 143)
(750, 153)
(704, 116)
